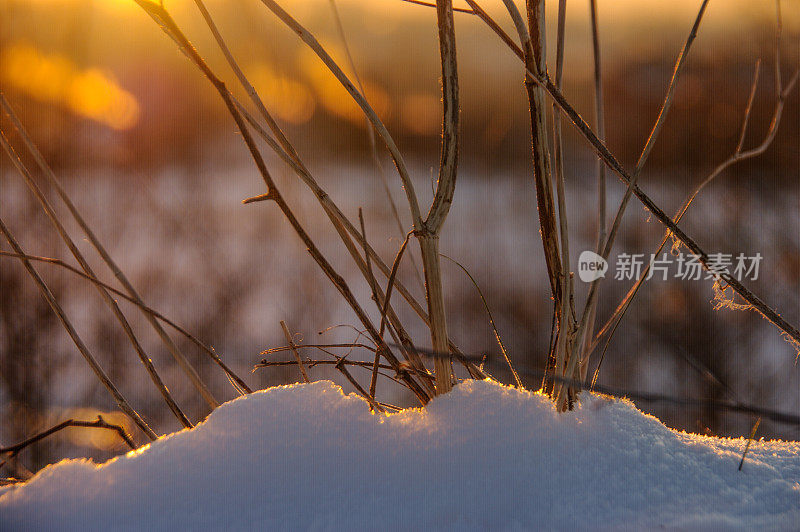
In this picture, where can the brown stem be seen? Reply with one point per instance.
(448, 170)
(100, 423)
(288, 336)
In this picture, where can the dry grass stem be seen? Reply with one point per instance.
(373, 284)
(608, 329)
(99, 423)
(601, 176)
(631, 182)
(491, 320)
(294, 351)
(373, 148)
(164, 19)
(533, 40)
(359, 98)
(566, 320)
(749, 441)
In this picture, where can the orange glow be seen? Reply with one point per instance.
(421, 113)
(334, 98)
(289, 99)
(55, 79)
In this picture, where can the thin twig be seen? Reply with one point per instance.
(339, 220)
(633, 178)
(273, 350)
(738, 155)
(600, 123)
(359, 98)
(100, 423)
(441, 202)
(392, 279)
(651, 140)
(288, 153)
(613, 163)
(373, 148)
(373, 284)
(532, 39)
(749, 441)
(294, 350)
(491, 319)
(311, 363)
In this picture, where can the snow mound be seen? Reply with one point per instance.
(484, 456)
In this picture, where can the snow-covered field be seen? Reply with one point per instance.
(485, 456)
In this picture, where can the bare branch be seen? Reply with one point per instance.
(100, 423)
(294, 350)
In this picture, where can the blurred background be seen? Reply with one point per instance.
(147, 150)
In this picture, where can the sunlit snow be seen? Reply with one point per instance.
(483, 457)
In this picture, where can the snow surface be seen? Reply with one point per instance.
(484, 456)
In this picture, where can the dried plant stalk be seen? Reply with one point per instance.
(581, 334)
(428, 234)
(427, 231)
(533, 40)
(739, 154)
(600, 124)
(99, 423)
(300, 365)
(566, 322)
(613, 163)
(373, 148)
